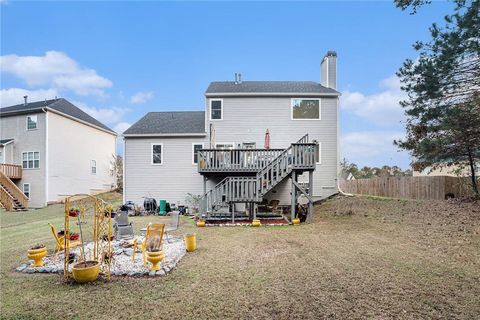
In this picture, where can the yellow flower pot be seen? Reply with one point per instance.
(37, 255)
(256, 223)
(296, 221)
(154, 257)
(200, 223)
(88, 273)
(190, 242)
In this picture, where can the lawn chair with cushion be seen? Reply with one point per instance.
(60, 241)
(174, 222)
(153, 229)
(123, 228)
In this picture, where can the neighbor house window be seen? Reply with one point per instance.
(31, 122)
(224, 146)
(306, 109)
(216, 112)
(93, 167)
(196, 147)
(157, 153)
(31, 160)
(26, 189)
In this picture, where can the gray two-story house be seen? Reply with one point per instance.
(50, 149)
(225, 154)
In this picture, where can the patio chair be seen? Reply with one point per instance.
(153, 229)
(174, 222)
(123, 227)
(60, 241)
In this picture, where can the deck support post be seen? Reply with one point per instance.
(204, 204)
(294, 196)
(233, 211)
(255, 208)
(310, 201)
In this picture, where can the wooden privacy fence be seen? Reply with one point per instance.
(428, 187)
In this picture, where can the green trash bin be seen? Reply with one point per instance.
(163, 207)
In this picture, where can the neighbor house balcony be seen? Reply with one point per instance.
(12, 171)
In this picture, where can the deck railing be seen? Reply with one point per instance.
(10, 191)
(12, 171)
(235, 160)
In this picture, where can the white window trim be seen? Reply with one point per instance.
(319, 109)
(26, 122)
(319, 153)
(21, 159)
(29, 190)
(151, 154)
(232, 143)
(193, 151)
(91, 167)
(210, 110)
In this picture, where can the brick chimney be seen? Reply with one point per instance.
(328, 69)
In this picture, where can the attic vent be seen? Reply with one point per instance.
(25, 97)
(238, 78)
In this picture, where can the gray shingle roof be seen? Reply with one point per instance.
(180, 122)
(251, 87)
(60, 105)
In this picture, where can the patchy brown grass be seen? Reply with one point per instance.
(360, 258)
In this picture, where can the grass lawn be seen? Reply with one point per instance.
(360, 258)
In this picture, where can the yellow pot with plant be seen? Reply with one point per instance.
(37, 253)
(256, 223)
(155, 257)
(296, 221)
(86, 271)
(201, 223)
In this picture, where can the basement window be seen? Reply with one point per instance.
(305, 109)
(26, 190)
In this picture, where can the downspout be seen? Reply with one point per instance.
(340, 191)
(46, 156)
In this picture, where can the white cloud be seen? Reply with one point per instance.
(374, 148)
(109, 115)
(380, 108)
(121, 127)
(55, 69)
(13, 96)
(141, 97)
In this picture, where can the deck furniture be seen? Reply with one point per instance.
(174, 222)
(60, 241)
(123, 227)
(153, 229)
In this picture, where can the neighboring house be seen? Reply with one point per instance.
(345, 175)
(50, 149)
(452, 171)
(221, 151)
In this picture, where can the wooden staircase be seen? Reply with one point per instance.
(297, 158)
(11, 197)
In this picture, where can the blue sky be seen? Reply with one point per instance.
(119, 60)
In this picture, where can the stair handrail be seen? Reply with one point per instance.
(12, 188)
(5, 199)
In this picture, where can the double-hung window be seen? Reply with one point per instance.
(93, 167)
(32, 122)
(195, 148)
(31, 160)
(216, 109)
(157, 154)
(306, 109)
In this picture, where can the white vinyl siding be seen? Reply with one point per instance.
(31, 160)
(157, 153)
(32, 122)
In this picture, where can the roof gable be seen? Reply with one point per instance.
(60, 105)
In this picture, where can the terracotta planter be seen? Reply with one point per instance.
(37, 255)
(88, 273)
